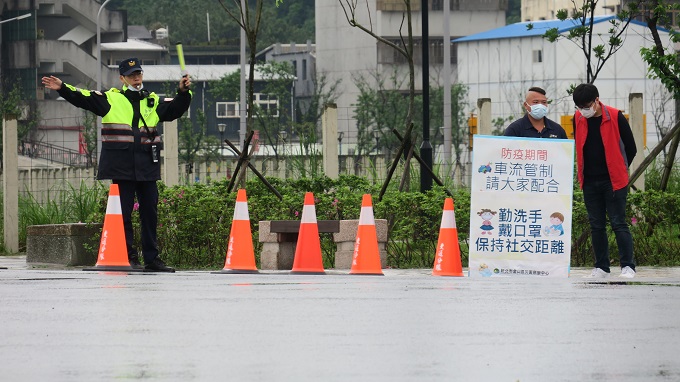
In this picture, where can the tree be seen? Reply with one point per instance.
(459, 126)
(514, 13)
(310, 111)
(277, 79)
(405, 48)
(663, 61)
(195, 145)
(187, 22)
(596, 53)
(380, 109)
(240, 11)
(663, 64)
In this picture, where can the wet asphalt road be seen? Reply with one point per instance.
(69, 325)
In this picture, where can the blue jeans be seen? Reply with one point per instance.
(601, 202)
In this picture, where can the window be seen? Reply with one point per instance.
(304, 69)
(537, 56)
(294, 63)
(389, 55)
(227, 110)
(438, 5)
(269, 104)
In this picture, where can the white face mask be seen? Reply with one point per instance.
(589, 112)
(538, 111)
(130, 87)
(134, 89)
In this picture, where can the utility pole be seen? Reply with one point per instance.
(425, 147)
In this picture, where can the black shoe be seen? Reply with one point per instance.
(134, 262)
(157, 265)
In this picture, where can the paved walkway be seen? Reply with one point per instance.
(657, 274)
(67, 325)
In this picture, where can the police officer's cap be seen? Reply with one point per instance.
(129, 66)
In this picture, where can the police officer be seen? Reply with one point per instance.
(130, 147)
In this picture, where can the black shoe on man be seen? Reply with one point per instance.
(134, 261)
(157, 265)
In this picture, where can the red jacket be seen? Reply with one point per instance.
(614, 149)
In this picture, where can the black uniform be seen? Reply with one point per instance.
(523, 128)
(126, 156)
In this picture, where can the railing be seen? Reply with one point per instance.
(57, 154)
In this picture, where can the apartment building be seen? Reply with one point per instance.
(530, 60)
(535, 10)
(344, 52)
(60, 38)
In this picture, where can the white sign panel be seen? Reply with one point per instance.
(521, 207)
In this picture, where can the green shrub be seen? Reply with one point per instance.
(195, 220)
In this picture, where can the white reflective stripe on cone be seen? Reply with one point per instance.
(366, 216)
(113, 206)
(308, 214)
(241, 211)
(448, 219)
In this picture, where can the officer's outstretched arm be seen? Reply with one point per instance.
(93, 101)
(171, 109)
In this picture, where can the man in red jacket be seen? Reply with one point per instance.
(604, 149)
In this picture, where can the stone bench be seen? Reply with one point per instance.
(279, 237)
(63, 244)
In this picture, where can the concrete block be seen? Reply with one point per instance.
(277, 256)
(347, 236)
(63, 244)
(264, 234)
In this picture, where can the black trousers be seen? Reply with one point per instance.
(147, 197)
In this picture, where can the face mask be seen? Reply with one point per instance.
(134, 89)
(588, 112)
(538, 111)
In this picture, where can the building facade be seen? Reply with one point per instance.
(530, 60)
(536, 10)
(345, 53)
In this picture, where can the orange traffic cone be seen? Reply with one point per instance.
(308, 259)
(447, 259)
(240, 252)
(366, 257)
(112, 249)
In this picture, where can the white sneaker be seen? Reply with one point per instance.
(597, 273)
(627, 273)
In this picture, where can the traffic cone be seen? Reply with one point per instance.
(447, 259)
(308, 259)
(366, 257)
(240, 252)
(113, 254)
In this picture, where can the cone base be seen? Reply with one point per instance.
(236, 271)
(113, 268)
(461, 274)
(307, 272)
(367, 273)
